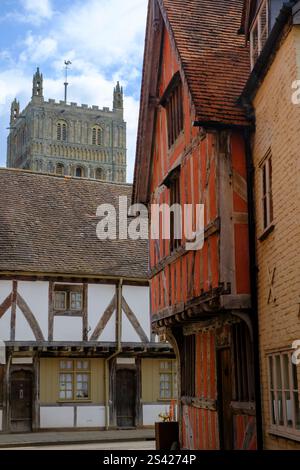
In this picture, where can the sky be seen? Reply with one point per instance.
(104, 40)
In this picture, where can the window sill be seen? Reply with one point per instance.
(266, 232)
(277, 431)
(164, 400)
(73, 402)
(70, 313)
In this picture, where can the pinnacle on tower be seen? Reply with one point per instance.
(14, 111)
(37, 88)
(118, 97)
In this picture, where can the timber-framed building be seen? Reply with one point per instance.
(77, 349)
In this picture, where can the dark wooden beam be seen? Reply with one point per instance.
(104, 319)
(30, 318)
(5, 305)
(134, 321)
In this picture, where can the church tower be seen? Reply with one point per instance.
(68, 138)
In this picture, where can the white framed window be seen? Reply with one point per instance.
(266, 190)
(60, 300)
(74, 380)
(68, 298)
(167, 380)
(75, 300)
(284, 394)
(259, 31)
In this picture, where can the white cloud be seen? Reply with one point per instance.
(38, 9)
(104, 40)
(38, 49)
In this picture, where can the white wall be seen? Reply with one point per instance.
(90, 416)
(1, 417)
(151, 413)
(67, 329)
(56, 417)
(5, 290)
(35, 295)
(99, 298)
(137, 297)
(64, 416)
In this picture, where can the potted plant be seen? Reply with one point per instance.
(166, 432)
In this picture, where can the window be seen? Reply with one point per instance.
(61, 131)
(188, 366)
(79, 172)
(167, 380)
(284, 394)
(259, 32)
(97, 136)
(74, 380)
(175, 216)
(60, 301)
(243, 380)
(172, 102)
(60, 169)
(75, 300)
(68, 298)
(99, 174)
(267, 198)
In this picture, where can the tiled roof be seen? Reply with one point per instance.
(214, 58)
(48, 225)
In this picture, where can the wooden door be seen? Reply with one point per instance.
(21, 401)
(225, 398)
(126, 397)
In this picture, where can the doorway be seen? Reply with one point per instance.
(225, 398)
(21, 401)
(126, 397)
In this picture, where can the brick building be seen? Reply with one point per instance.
(273, 31)
(68, 139)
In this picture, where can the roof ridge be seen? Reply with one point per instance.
(65, 177)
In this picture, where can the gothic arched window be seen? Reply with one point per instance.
(60, 169)
(61, 131)
(97, 135)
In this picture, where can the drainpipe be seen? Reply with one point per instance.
(253, 282)
(116, 353)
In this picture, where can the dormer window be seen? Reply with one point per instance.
(172, 102)
(259, 32)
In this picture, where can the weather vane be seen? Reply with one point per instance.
(67, 63)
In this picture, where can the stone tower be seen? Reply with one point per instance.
(66, 138)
